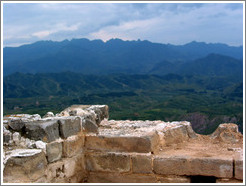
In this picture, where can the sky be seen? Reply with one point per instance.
(174, 23)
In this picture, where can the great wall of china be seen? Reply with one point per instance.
(80, 145)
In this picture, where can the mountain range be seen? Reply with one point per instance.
(139, 80)
(118, 56)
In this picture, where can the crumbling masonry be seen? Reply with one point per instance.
(79, 145)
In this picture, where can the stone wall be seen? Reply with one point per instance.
(79, 145)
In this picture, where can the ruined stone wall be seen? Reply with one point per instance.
(80, 145)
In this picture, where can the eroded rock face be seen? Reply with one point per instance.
(227, 132)
(96, 113)
(81, 145)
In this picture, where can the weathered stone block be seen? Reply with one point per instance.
(46, 131)
(109, 162)
(227, 132)
(175, 135)
(75, 166)
(66, 170)
(55, 171)
(141, 164)
(173, 179)
(184, 165)
(101, 177)
(73, 145)
(69, 126)
(54, 151)
(25, 165)
(101, 112)
(239, 167)
(141, 144)
(89, 126)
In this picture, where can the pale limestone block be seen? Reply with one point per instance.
(185, 165)
(73, 145)
(108, 162)
(141, 164)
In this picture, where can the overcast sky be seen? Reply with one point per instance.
(173, 23)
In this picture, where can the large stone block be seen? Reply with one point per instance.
(69, 126)
(25, 165)
(109, 162)
(54, 151)
(141, 164)
(185, 165)
(74, 168)
(173, 179)
(46, 131)
(141, 144)
(73, 145)
(101, 177)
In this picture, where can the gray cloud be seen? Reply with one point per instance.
(176, 23)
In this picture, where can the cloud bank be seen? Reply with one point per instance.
(175, 23)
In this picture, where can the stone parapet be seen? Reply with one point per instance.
(80, 145)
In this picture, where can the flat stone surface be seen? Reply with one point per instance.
(201, 156)
(130, 136)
